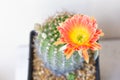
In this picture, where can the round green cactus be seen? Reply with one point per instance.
(53, 56)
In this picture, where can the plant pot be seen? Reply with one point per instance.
(31, 60)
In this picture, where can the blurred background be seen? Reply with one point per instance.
(17, 19)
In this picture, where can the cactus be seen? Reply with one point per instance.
(53, 56)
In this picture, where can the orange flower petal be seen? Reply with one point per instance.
(85, 55)
(96, 36)
(68, 52)
(95, 46)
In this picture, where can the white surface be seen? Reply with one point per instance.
(7, 63)
(22, 63)
(109, 61)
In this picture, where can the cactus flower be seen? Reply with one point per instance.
(79, 33)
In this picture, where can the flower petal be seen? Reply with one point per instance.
(96, 36)
(68, 52)
(95, 46)
(85, 55)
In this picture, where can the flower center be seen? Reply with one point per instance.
(80, 38)
(79, 35)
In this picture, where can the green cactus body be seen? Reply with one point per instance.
(51, 55)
